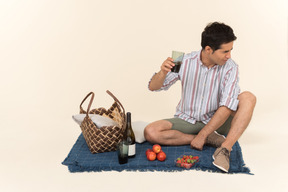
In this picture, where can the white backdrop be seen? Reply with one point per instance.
(53, 53)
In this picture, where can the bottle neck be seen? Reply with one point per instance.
(128, 116)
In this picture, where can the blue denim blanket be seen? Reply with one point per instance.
(80, 159)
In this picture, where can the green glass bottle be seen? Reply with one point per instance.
(130, 136)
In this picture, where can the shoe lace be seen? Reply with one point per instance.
(225, 152)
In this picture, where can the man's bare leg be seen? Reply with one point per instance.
(160, 132)
(241, 119)
(239, 123)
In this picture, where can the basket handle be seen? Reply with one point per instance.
(113, 96)
(90, 103)
(92, 98)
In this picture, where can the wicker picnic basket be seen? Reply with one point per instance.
(103, 139)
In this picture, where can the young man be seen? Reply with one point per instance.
(211, 103)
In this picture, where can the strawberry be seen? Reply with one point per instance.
(187, 166)
(195, 157)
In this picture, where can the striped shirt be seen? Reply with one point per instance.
(204, 90)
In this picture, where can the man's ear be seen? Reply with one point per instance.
(208, 49)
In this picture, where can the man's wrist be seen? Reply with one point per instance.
(204, 133)
(162, 73)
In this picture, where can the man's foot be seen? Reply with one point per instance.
(221, 159)
(215, 139)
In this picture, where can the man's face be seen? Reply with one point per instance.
(220, 56)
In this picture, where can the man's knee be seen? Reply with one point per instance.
(248, 97)
(153, 130)
(148, 132)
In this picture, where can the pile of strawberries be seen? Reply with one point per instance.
(155, 152)
(186, 161)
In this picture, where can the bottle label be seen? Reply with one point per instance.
(132, 150)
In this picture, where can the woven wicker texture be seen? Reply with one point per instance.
(103, 139)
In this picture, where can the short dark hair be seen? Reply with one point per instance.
(215, 34)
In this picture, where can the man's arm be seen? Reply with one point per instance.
(218, 119)
(228, 103)
(158, 79)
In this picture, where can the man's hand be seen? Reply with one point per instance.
(198, 142)
(158, 79)
(220, 116)
(167, 65)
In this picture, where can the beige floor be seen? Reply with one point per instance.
(32, 162)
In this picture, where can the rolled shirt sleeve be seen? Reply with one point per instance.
(230, 89)
(170, 79)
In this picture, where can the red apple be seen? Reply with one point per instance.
(151, 156)
(156, 148)
(161, 156)
(148, 151)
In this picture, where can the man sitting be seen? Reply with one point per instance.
(211, 103)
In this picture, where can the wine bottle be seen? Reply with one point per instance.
(129, 136)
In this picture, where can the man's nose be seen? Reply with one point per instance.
(228, 55)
